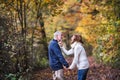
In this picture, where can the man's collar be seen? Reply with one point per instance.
(55, 40)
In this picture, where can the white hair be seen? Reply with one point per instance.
(56, 34)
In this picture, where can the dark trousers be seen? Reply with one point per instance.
(82, 74)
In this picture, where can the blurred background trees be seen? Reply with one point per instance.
(23, 41)
(27, 26)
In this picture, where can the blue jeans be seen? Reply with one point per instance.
(82, 74)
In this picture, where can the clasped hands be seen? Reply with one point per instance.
(66, 69)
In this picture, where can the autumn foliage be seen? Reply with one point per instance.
(27, 26)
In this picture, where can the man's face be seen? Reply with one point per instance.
(59, 37)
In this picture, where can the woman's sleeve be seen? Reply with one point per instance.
(67, 52)
(75, 59)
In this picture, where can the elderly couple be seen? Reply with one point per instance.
(57, 61)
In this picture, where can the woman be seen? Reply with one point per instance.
(80, 59)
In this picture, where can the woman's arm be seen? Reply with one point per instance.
(67, 52)
(76, 56)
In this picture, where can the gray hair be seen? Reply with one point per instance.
(56, 34)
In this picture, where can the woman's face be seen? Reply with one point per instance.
(72, 38)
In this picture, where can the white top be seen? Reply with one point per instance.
(80, 58)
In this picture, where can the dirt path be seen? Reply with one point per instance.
(96, 72)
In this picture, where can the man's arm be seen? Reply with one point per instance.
(58, 53)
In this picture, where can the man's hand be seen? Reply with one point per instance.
(67, 69)
(64, 67)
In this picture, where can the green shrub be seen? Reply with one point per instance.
(42, 63)
(11, 76)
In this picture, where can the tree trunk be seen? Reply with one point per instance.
(44, 38)
(21, 9)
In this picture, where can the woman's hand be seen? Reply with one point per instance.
(60, 43)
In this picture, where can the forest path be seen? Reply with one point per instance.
(96, 72)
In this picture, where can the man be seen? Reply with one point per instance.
(56, 59)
